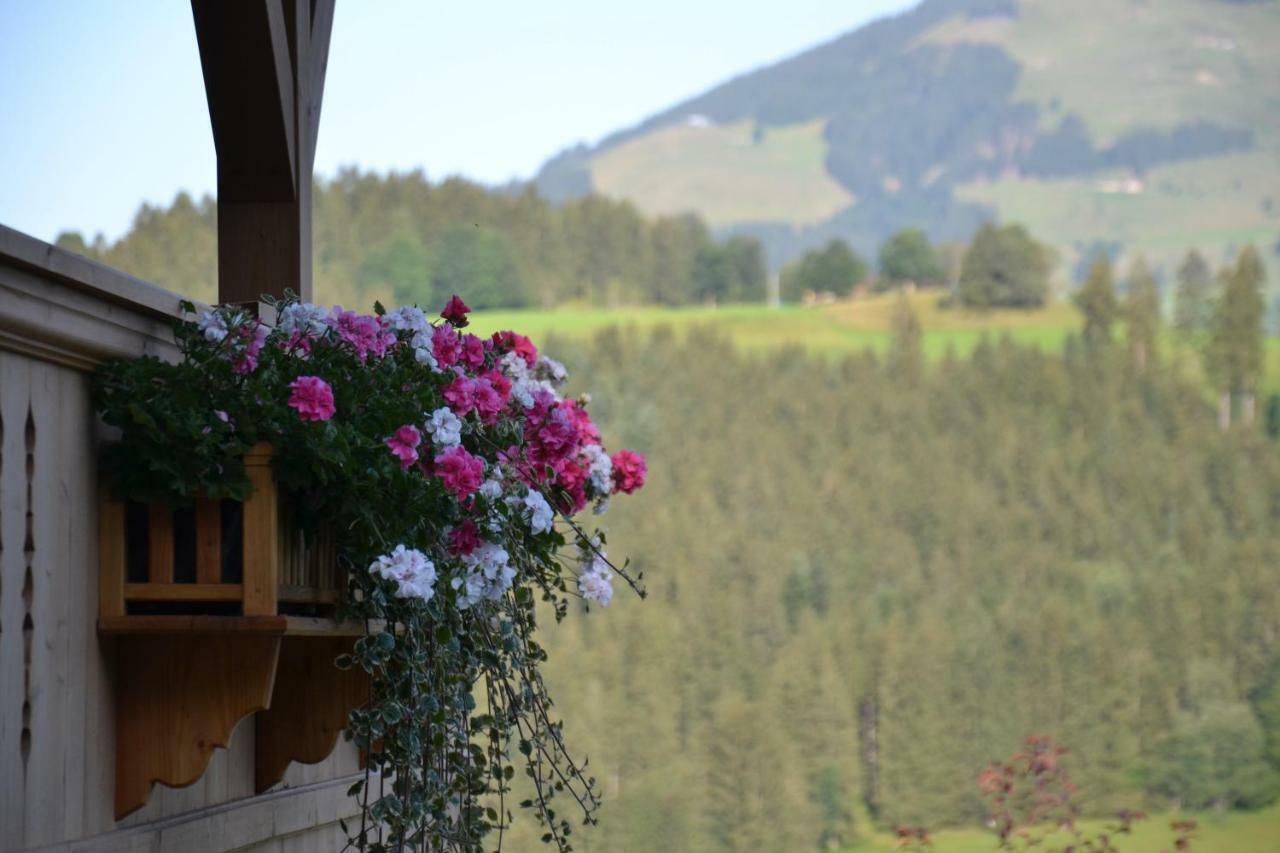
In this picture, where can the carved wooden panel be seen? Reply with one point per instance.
(309, 708)
(178, 699)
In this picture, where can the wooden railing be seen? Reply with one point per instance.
(188, 641)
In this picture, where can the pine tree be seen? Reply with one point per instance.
(1234, 357)
(1096, 299)
(906, 356)
(1142, 313)
(1193, 304)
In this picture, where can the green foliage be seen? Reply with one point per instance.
(1004, 267)
(1021, 542)
(1096, 299)
(402, 239)
(1234, 357)
(835, 268)
(733, 272)
(906, 353)
(909, 256)
(1193, 300)
(475, 261)
(1142, 312)
(1216, 754)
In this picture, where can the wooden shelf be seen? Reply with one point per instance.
(279, 626)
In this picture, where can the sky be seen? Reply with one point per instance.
(102, 104)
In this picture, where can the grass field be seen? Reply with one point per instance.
(835, 330)
(725, 173)
(839, 329)
(1233, 832)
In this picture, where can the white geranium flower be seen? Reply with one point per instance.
(471, 588)
(491, 489)
(595, 580)
(514, 365)
(549, 368)
(600, 468)
(412, 572)
(539, 513)
(212, 325)
(445, 427)
(526, 391)
(409, 319)
(597, 586)
(487, 575)
(303, 318)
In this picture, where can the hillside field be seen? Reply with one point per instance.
(1239, 832)
(837, 330)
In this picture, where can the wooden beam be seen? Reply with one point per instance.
(321, 30)
(244, 53)
(264, 64)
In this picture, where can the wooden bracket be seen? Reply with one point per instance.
(309, 709)
(179, 697)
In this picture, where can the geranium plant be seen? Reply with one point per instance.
(456, 478)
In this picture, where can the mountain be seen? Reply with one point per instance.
(1127, 125)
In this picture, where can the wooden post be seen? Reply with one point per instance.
(261, 535)
(111, 554)
(264, 65)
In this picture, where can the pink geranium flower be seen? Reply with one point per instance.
(460, 472)
(519, 344)
(456, 312)
(446, 346)
(472, 352)
(460, 395)
(404, 444)
(253, 337)
(366, 334)
(587, 432)
(629, 471)
(312, 398)
(464, 538)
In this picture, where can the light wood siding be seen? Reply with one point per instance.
(60, 315)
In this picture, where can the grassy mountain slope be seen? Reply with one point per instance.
(1133, 124)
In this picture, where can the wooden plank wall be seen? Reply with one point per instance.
(56, 726)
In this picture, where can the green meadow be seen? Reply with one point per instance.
(839, 329)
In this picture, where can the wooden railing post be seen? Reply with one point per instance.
(261, 535)
(111, 556)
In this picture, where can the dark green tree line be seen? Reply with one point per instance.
(402, 238)
(865, 585)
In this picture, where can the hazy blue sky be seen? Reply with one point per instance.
(102, 105)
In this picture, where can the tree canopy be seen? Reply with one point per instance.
(1096, 299)
(834, 268)
(1004, 268)
(908, 256)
